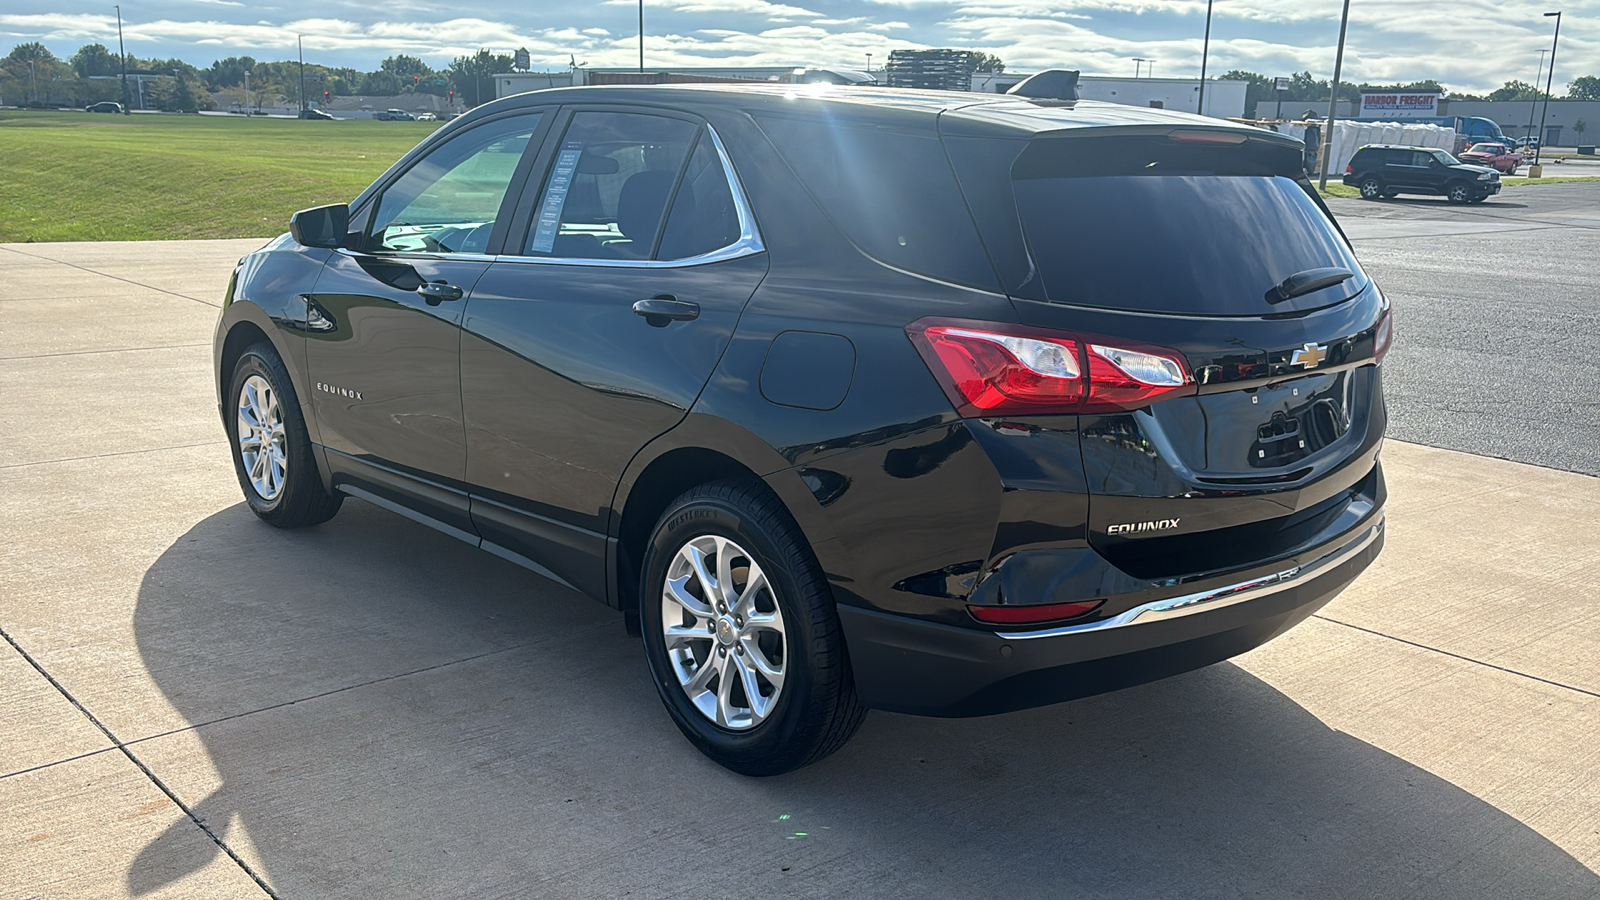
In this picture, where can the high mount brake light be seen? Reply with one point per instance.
(1207, 137)
(989, 369)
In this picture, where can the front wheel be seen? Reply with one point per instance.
(741, 634)
(272, 453)
(1371, 189)
(1458, 193)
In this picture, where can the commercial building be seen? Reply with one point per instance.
(1224, 99)
(1517, 118)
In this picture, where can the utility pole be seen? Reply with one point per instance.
(1333, 98)
(1549, 77)
(641, 35)
(300, 41)
(247, 92)
(123, 54)
(1536, 73)
(1205, 51)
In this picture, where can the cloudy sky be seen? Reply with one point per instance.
(1472, 45)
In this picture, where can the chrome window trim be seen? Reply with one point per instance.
(1215, 598)
(748, 244)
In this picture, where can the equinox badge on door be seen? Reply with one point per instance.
(1138, 527)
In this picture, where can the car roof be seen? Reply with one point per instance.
(967, 112)
(1396, 147)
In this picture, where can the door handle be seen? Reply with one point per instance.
(664, 308)
(436, 292)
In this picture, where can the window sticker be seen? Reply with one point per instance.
(555, 197)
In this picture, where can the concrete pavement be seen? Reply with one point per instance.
(193, 704)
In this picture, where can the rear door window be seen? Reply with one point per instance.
(607, 192)
(1192, 230)
(703, 217)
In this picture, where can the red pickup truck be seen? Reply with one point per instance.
(1498, 156)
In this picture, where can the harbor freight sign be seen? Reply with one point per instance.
(1400, 105)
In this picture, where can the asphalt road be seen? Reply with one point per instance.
(1497, 312)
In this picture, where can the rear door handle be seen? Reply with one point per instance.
(664, 308)
(436, 292)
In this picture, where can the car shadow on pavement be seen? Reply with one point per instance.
(380, 711)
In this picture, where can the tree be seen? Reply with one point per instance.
(988, 62)
(380, 83)
(473, 76)
(95, 59)
(1516, 90)
(405, 67)
(1585, 88)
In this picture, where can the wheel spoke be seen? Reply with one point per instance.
(677, 591)
(725, 707)
(746, 605)
(725, 554)
(752, 690)
(759, 661)
(708, 584)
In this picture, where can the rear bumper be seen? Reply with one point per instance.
(927, 668)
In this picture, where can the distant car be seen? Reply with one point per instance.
(427, 117)
(316, 114)
(1527, 143)
(1495, 156)
(1384, 170)
(105, 106)
(395, 115)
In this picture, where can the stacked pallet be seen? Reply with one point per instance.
(940, 70)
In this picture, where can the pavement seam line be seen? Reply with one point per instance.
(1477, 662)
(111, 350)
(56, 762)
(46, 462)
(114, 277)
(154, 779)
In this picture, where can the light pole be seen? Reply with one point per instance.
(641, 35)
(1205, 52)
(1137, 62)
(1151, 71)
(123, 55)
(1333, 98)
(869, 63)
(1549, 77)
(300, 42)
(34, 82)
(1536, 73)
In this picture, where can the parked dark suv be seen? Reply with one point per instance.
(933, 402)
(1384, 170)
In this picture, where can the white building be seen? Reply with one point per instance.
(1224, 99)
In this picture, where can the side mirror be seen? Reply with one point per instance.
(322, 226)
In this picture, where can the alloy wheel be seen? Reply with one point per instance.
(724, 633)
(1370, 189)
(262, 443)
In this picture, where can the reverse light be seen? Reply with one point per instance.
(990, 369)
(1032, 615)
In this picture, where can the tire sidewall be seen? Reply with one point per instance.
(682, 522)
(1376, 191)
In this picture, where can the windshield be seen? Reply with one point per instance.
(1446, 158)
(1486, 148)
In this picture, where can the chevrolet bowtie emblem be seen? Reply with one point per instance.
(1310, 356)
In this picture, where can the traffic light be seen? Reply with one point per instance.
(325, 96)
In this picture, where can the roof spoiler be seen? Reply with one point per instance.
(1051, 84)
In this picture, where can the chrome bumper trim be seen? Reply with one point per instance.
(1216, 598)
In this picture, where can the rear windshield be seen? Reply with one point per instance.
(1207, 230)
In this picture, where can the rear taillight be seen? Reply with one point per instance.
(1032, 615)
(1383, 334)
(1349, 169)
(990, 369)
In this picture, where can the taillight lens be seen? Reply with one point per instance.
(989, 369)
(1032, 615)
(1349, 168)
(1383, 334)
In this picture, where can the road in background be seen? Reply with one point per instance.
(1497, 313)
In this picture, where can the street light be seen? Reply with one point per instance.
(1549, 77)
(300, 42)
(1536, 73)
(641, 35)
(869, 63)
(1205, 52)
(1333, 98)
(1138, 61)
(123, 54)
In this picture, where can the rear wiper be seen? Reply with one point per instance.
(1308, 281)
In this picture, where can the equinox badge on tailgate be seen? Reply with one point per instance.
(1138, 527)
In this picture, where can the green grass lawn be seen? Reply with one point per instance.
(82, 177)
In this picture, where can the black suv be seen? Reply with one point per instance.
(1384, 170)
(933, 402)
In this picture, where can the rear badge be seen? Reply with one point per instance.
(1310, 356)
(1140, 527)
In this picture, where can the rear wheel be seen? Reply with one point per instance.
(1458, 192)
(741, 634)
(1371, 189)
(272, 453)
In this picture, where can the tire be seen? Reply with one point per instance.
(812, 710)
(1458, 192)
(284, 489)
(1371, 189)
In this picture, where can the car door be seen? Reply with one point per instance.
(598, 335)
(1401, 170)
(384, 322)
